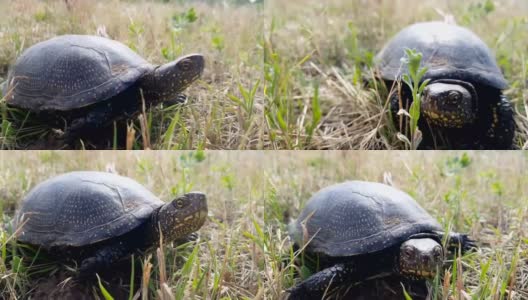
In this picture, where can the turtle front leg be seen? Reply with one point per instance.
(502, 129)
(456, 240)
(94, 120)
(193, 237)
(103, 259)
(179, 99)
(320, 284)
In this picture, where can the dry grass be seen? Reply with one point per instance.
(330, 45)
(243, 251)
(229, 35)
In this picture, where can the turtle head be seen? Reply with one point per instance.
(420, 258)
(182, 216)
(449, 103)
(166, 82)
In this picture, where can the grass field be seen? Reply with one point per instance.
(244, 251)
(317, 55)
(223, 107)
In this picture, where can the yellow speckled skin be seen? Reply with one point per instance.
(180, 217)
(450, 104)
(167, 81)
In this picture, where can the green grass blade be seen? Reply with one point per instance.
(105, 293)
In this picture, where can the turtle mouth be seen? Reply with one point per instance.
(416, 274)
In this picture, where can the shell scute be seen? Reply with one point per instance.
(358, 217)
(82, 208)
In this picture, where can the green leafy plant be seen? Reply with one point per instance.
(316, 114)
(178, 23)
(135, 31)
(414, 81)
(357, 54)
(280, 108)
(218, 42)
(454, 165)
(477, 11)
(183, 19)
(246, 101)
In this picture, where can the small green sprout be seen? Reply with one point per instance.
(414, 81)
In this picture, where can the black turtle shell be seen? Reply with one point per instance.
(82, 208)
(72, 71)
(359, 217)
(449, 51)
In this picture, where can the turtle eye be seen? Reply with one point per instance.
(185, 65)
(408, 252)
(455, 96)
(179, 203)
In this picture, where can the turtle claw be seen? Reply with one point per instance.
(72, 132)
(88, 267)
(192, 237)
(463, 241)
(179, 99)
(298, 293)
(467, 243)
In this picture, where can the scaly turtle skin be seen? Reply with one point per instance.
(102, 218)
(360, 230)
(462, 106)
(80, 82)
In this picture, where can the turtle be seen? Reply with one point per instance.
(80, 83)
(100, 218)
(360, 230)
(462, 106)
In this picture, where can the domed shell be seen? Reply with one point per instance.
(72, 71)
(449, 51)
(82, 208)
(358, 217)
